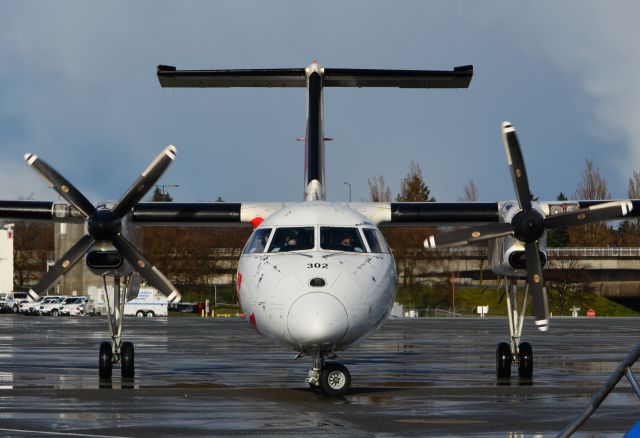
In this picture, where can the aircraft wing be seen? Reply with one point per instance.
(427, 213)
(450, 213)
(242, 213)
(149, 213)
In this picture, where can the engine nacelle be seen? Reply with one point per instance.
(507, 257)
(506, 254)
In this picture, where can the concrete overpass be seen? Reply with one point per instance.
(611, 272)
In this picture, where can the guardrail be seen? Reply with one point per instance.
(593, 252)
(470, 251)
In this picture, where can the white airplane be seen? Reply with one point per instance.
(315, 276)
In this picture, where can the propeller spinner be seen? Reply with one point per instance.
(528, 225)
(105, 225)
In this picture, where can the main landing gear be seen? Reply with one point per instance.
(116, 351)
(328, 378)
(515, 352)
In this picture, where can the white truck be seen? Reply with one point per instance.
(149, 303)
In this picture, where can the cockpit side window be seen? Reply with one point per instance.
(341, 239)
(292, 239)
(375, 240)
(258, 242)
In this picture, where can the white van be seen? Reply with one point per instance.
(149, 303)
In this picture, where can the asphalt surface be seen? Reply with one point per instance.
(213, 377)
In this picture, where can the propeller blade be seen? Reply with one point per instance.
(144, 182)
(468, 235)
(149, 272)
(61, 185)
(63, 265)
(516, 164)
(595, 213)
(536, 286)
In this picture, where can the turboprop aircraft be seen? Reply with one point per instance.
(315, 276)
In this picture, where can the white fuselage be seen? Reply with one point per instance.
(318, 295)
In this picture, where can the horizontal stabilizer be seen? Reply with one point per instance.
(279, 77)
(459, 77)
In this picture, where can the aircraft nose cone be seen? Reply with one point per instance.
(317, 318)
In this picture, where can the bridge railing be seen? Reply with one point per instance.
(593, 252)
(471, 251)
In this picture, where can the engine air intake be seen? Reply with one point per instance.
(518, 259)
(104, 260)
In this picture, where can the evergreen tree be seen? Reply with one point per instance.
(413, 187)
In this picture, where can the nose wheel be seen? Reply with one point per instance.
(335, 380)
(329, 378)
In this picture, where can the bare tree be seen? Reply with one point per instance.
(634, 186)
(32, 243)
(567, 278)
(629, 230)
(593, 186)
(470, 192)
(378, 190)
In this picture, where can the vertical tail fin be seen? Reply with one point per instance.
(315, 78)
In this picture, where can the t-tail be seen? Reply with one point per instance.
(315, 78)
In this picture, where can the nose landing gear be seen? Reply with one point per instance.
(115, 351)
(329, 378)
(519, 353)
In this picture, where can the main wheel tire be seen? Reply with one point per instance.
(126, 360)
(335, 379)
(54, 312)
(140, 314)
(525, 362)
(15, 309)
(150, 314)
(503, 360)
(105, 362)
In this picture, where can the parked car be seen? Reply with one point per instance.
(33, 307)
(29, 307)
(49, 304)
(71, 306)
(183, 307)
(3, 300)
(14, 299)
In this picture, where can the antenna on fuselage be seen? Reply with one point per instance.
(314, 78)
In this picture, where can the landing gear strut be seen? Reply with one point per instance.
(116, 351)
(519, 353)
(328, 378)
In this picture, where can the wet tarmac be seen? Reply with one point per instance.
(213, 377)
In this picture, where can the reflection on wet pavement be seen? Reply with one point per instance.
(218, 377)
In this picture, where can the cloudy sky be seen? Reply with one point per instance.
(78, 87)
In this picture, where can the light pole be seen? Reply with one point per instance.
(349, 190)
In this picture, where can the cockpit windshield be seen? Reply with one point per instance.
(258, 241)
(292, 239)
(341, 239)
(375, 240)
